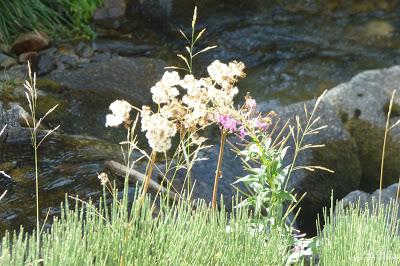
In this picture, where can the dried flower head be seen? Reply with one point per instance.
(164, 91)
(120, 114)
(103, 177)
(159, 131)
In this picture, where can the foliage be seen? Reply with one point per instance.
(27, 15)
(79, 12)
(178, 235)
(63, 18)
(358, 236)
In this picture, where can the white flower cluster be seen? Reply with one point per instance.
(164, 91)
(159, 130)
(202, 100)
(120, 114)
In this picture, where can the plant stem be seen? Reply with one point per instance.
(384, 145)
(148, 174)
(218, 171)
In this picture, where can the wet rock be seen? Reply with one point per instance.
(6, 61)
(131, 77)
(122, 48)
(339, 155)
(47, 61)
(362, 103)
(30, 42)
(84, 49)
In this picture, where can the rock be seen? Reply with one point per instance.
(158, 10)
(364, 199)
(110, 14)
(339, 155)
(362, 103)
(122, 48)
(47, 61)
(6, 61)
(28, 56)
(30, 42)
(130, 77)
(13, 116)
(17, 72)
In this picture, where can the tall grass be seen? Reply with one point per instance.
(178, 235)
(19, 16)
(358, 236)
(58, 18)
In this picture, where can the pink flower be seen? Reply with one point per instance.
(227, 122)
(251, 104)
(242, 132)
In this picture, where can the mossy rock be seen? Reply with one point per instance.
(369, 140)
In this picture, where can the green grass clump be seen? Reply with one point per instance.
(59, 18)
(358, 236)
(177, 235)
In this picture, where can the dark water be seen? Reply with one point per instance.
(292, 53)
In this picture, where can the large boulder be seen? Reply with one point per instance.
(338, 155)
(362, 103)
(130, 77)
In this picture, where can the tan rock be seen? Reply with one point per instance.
(30, 42)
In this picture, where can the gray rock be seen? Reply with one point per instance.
(130, 77)
(339, 155)
(6, 61)
(156, 9)
(364, 199)
(47, 61)
(120, 47)
(110, 9)
(12, 115)
(110, 14)
(362, 103)
(17, 72)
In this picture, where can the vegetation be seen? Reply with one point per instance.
(67, 18)
(358, 236)
(172, 229)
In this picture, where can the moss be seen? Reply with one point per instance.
(7, 89)
(48, 85)
(395, 109)
(369, 140)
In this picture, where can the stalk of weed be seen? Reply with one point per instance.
(31, 96)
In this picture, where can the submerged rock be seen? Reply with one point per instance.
(362, 104)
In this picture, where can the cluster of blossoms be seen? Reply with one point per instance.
(202, 101)
(245, 120)
(120, 114)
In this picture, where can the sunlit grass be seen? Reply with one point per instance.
(177, 235)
